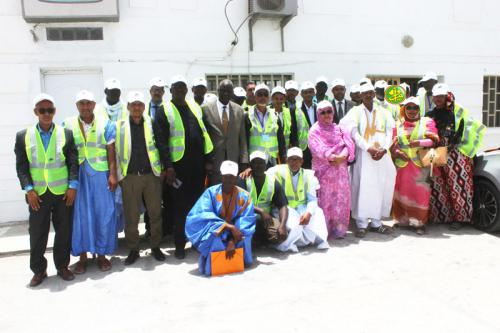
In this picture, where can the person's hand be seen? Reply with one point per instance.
(69, 196)
(112, 182)
(266, 218)
(339, 160)
(170, 176)
(305, 218)
(401, 154)
(237, 235)
(245, 174)
(282, 233)
(415, 144)
(372, 151)
(33, 200)
(380, 153)
(230, 249)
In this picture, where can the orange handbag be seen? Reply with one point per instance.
(223, 266)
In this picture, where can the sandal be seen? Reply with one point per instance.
(103, 264)
(383, 229)
(360, 233)
(420, 231)
(454, 226)
(81, 267)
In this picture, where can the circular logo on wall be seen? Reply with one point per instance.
(395, 94)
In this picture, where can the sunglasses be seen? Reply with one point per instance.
(412, 107)
(326, 112)
(46, 110)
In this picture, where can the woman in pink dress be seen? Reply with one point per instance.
(412, 192)
(332, 148)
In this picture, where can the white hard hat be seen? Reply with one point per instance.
(135, 96)
(291, 85)
(157, 82)
(42, 97)
(338, 82)
(364, 81)
(366, 87)
(294, 151)
(278, 89)
(261, 86)
(239, 92)
(307, 85)
(440, 89)
(381, 84)
(429, 76)
(84, 95)
(258, 154)
(199, 81)
(414, 100)
(229, 168)
(112, 84)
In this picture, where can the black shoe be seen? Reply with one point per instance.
(158, 254)
(132, 257)
(180, 254)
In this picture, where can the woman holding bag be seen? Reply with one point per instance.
(412, 191)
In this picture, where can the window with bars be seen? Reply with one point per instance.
(240, 80)
(491, 101)
(70, 34)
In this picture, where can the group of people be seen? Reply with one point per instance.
(250, 167)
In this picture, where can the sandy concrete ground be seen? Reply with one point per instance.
(442, 282)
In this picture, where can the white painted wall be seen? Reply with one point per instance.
(458, 39)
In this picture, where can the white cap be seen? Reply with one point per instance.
(440, 89)
(112, 84)
(355, 88)
(322, 79)
(199, 81)
(404, 85)
(135, 96)
(366, 87)
(414, 100)
(338, 82)
(84, 95)
(429, 76)
(294, 151)
(307, 85)
(209, 97)
(177, 78)
(381, 84)
(258, 154)
(364, 81)
(42, 97)
(291, 84)
(239, 92)
(278, 89)
(261, 86)
(157, 82)
(229, 168)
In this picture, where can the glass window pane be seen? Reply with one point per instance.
(485, 101)
(485, 118)
(485, 84)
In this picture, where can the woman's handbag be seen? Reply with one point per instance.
(431, 157)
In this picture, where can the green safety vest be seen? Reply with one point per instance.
(47, 168)
(423, 100)
(473, 134)
(302, 127)
(263, 200)
(295, 197)
(265, 140)
(418, 133)
(93, 148)
(177, 140)
(100, 111)
(123, 145)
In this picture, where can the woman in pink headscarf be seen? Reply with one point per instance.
(332, 148)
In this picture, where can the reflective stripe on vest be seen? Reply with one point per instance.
(295, 197)
(473, 134)
(418, 133)
(93, 148)
(176, 142)
(124, 146)
(47, 168)
(263, 201)
(265, 140)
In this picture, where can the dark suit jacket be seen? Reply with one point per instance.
(348, 105)
(233, 145)
(23, 166)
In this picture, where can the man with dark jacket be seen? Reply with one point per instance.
(47, 168)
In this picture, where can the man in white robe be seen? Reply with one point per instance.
(304, 215)
(373, 173)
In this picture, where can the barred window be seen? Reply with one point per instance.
(240, 80)
(70, 34)
(491, 101)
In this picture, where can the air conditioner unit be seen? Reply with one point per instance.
(272, 8)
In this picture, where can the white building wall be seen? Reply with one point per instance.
(458, 39)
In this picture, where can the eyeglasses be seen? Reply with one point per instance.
(329, 111)
(46, 110)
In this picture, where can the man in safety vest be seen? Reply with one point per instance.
(139, 168)
(94, 219)
(185, 148)
(47, 168)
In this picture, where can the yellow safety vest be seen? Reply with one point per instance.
(418, 133)
(47, 168)
(264, 139)
(473, 134)
(263, 200)
(284, 177)
(302, 127)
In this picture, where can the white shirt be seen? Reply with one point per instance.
(220, 107)
(310, 112)
(366, 117)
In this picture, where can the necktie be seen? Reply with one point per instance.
(153, 111)
(225, 120)
(340, 111)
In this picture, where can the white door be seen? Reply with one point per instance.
(64, 84)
